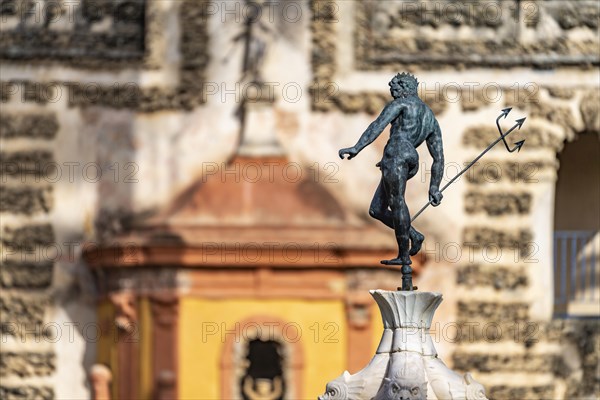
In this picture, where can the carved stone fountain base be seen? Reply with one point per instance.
(406, 364)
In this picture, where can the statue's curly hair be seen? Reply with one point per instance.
(403, 85)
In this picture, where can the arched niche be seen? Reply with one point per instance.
(577, 227)
(235, 351)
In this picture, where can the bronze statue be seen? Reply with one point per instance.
(413, 123)
(255, 36)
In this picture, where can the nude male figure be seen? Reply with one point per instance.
(413, 123)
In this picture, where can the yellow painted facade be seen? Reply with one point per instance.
(319, 326)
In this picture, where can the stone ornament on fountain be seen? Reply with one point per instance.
(406, 378)
(406, 364)
(344, 387)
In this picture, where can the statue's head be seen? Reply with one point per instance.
(403, 85)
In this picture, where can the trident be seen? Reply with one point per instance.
(518, 145)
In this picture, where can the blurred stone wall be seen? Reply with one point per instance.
(111, 108)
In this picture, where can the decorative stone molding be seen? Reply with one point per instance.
(133, 47)
(324, 93)
(323, 37)
(498, 277)
(30, 126)
(522, 392)
(530, 333)
(142, 281)
(105, 35)
(561, 92)
(405, 365)
(23, 311)
(478, 237)
(525, 333)
(478, 100)
(590, 111)
(482, 310)
(497, 363)
(28, 237)
(125, 310)
(528, 172)
(5, 91)
(31, 92)
(494, 41)
(16, 274)
(323, 54)
(481, 136)
(26, 165)
(122, 41)
(581, 379)
(369, 102)
(26, 364)
(25, 200)
(558, 115)
(26, 392)
(498, 203)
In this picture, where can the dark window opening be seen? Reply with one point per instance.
(576, 229)
(263, 379)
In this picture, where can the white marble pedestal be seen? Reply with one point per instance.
(406, 365)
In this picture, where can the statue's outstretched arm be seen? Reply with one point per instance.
(389, 113)
(434, 144)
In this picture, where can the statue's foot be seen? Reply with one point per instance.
(396, 261)
(416, 240)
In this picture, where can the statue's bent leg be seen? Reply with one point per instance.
(379, 208)
(394, 178)
(416, 240)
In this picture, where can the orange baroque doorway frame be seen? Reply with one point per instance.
(261, 327)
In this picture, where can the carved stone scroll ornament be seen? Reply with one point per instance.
(263, 389)
(125, 310)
